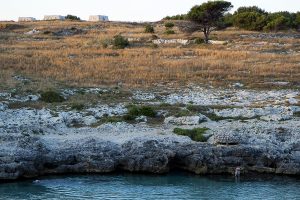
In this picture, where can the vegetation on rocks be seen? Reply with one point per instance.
(195, 134)
(51, 97)
(135, 111)
(77, 106)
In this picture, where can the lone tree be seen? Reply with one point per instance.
(209, 15)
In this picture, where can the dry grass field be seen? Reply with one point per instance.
(73, 54)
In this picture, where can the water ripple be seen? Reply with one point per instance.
(142, 187)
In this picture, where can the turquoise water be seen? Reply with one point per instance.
(172, 186)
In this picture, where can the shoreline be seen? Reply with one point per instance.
(243, 177)
(217, 132)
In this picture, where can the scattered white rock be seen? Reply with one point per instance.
(187, 120)
(217, 42)
(5, 95)
(24, 98)
(255, 112)
(32, 32)
(21, 78)
(276, 117)
(238, 85)
(105, 110)
(141, 96)
(3, 106)
(89, 120)
(292, 101)
(171, 41)
(134, 39)
(141, 119)
(233, 97)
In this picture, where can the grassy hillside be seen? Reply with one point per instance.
(75, 53)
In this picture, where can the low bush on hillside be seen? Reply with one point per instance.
(119, 42)
(195, 134)
(169, 25)
(149, 29)
(72, 17)
(51, 97)
(169, 32)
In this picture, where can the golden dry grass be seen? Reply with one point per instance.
(80, 60)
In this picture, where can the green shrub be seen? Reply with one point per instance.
(119, 42)
(135, 111)
(252, 21)
(51, 97)
(72, 17)
(149, 29)
(147, 111)
(169, 25)
(77, 106)
(195, 134)
(199, 41)
(169, 32)
(176, 17)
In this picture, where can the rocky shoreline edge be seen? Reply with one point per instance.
(199, 130)
(32, 157)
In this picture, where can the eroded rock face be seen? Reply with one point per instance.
(27, 156)
(264, 138)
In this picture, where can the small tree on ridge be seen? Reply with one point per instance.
(209, 15)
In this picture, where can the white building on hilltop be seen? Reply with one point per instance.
(97, 18)
(54, 17)
(26, 19)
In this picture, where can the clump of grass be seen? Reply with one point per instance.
(195, 134)
(197, 108)
(51, 97)
(169, 32)
(297, 114)
(77, 106)
(135, 111)
(183, 113)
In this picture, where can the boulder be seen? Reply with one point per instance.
(227, 139)
(276, 117)
(187, 120)
(3, 106)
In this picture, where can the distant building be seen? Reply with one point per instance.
(26, 19)
(54, 17)
(96, 18)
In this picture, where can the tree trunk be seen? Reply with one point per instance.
(206, 34)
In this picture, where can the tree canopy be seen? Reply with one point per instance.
(209, 15)
(213, 14)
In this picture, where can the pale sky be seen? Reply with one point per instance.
(123, 10)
